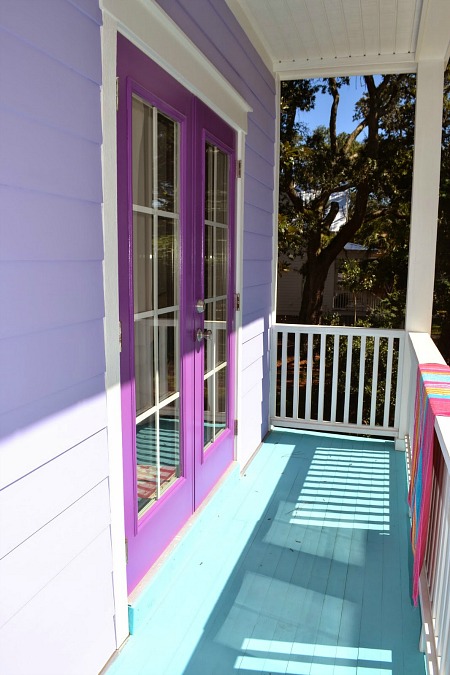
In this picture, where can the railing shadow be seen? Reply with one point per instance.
(322, 584)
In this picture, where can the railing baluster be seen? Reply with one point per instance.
(283, 375)
(296, 376)
(323, 339)
(295, 400)
(400, 352)
(442, 573)
(335, 378)
(348, 378)
(388, 384)
(373, 399)
(362, 371)
(309, 377)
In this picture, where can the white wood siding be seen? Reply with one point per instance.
(56, 597)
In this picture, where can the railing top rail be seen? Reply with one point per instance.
(337, 330)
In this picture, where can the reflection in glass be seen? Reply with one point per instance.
(221, 188)
(155, 150)
(209, 261)
(168, 355)
(215, 290)
(168, 262)
(209, 182)
(167, 163)
(220, 399)
(209, 426)
(220, 261)
(142, 152)
(142, 262)
(144, 358)
(157, 454)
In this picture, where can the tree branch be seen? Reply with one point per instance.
(333, 115)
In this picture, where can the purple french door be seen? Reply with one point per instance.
(176, 204)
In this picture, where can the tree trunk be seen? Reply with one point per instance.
(312, 296)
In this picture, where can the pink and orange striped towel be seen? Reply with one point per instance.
(432, 398)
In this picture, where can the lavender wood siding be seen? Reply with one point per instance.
(56, 600)
(213, 28)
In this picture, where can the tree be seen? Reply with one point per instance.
(373, 169)
(356, 277)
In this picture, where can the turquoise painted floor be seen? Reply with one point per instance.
(300, 566)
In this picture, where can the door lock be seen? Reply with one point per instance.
(200, 306)
(205, 334)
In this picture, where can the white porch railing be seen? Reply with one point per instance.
(361, 302)
(335, 378)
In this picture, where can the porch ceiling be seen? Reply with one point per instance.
(308, 38)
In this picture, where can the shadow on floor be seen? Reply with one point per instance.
(323, 584)
(302, 568)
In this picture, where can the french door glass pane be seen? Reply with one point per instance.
(142, 152)
(215, 290)
(142, 262)
(157, 454)
(167, 164)
(155, 149)
(144, 360)
(168, 262)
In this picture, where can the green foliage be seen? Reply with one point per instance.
(373, 164)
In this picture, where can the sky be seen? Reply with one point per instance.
(347, 99)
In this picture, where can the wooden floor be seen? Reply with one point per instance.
(301, 566)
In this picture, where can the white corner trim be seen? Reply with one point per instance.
(111, 328)
(145, 24)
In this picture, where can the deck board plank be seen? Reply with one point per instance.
(303, 568)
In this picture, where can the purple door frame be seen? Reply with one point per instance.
(149, 535)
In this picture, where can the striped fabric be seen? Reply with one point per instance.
(432, 398)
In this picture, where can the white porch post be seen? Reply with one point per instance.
(424, 211)
(425, 195)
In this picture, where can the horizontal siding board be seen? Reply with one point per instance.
(42, 430)
(252, 350)
(58, 29)
(258, 194)
(251, 434)
(48, 295)
(36, 226)
(257, 298)
(253, 374)
(258, 140)
(42, 158)
(256, 272)
(258, 221)
(230, 20)
(207, 29)
(40, 364)
(259, 168)
(262, 244)
(42, 495)
(253, 325)
(68, 627)
(74, 529)
(32, 86)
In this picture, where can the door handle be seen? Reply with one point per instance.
(205, 334)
